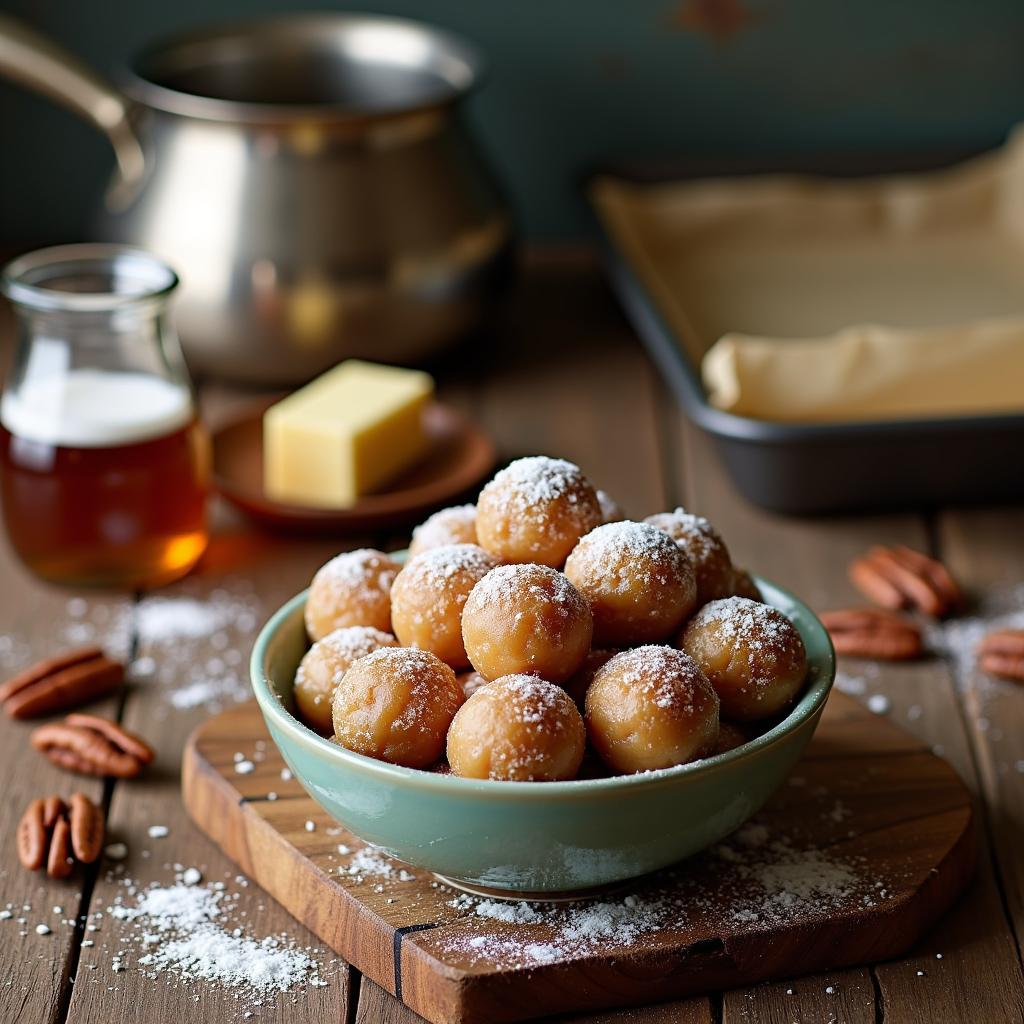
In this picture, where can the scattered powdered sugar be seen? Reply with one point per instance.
(756, 878)
(180, 931)
(165, 619)
(957, 639)
(548, 933)
(670, 678)
(196, 647)
(369, 862)
(879, 704)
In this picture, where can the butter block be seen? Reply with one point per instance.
(349, 432)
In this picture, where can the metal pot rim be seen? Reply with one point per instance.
(456, 65)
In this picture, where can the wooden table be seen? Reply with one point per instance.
(563, 375)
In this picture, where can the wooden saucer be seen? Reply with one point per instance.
(460, 457)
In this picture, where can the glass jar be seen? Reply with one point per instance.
(104, 465)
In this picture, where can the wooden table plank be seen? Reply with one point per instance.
(564, 376)
(985, 550)
(379, 1007)
(593, 403)
(246, 575)
(37, 619)
(810, 558)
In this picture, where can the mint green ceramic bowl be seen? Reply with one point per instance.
(537, 837)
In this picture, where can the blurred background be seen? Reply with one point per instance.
(572, 82)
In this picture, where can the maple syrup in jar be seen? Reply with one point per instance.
(104, 465)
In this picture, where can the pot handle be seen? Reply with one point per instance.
(39, 63)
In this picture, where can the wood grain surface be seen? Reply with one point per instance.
(868, 792)
(561, 373)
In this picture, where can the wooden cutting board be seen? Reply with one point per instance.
(868, 843)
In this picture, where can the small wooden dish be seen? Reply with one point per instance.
(461, 456)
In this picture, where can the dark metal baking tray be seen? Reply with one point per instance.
(838, 467)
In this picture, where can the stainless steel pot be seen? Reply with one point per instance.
(308, 177)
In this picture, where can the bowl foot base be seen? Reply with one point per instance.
(530, 896)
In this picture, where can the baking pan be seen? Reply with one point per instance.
(814, 468)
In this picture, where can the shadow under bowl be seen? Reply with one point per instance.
(537, 837)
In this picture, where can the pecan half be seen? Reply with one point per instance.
(32, 837)
(1001, 654)
(90, 745)
(899, 577)
(60, 683)
(56, 835)
(873, 633)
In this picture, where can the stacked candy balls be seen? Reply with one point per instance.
(538, 636)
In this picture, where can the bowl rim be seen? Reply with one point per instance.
(805, 710)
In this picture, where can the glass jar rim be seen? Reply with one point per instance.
(137, 276)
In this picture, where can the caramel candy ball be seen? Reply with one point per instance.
(535, 510)
(517, 728)
(324, 665)
(396, 705)
(611, 510)
(428, 596)
(526, 619)
(455, 525)
(578, 683)
(730, 737)
(752, 654)
(707, 552)
(649, 708)
(471, 682)
(640, 585)
(353, 589)
(743, 585)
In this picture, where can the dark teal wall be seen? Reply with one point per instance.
(572, 81)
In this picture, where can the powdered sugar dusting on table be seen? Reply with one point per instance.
(189, 934)
(194, 647)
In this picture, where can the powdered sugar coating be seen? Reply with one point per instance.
(649, 708)
(639, 583)
(352, 589)
(396, 705)
(535, 510)
(325, 664)
(428, 597)
(752, 654)
(518, 728)
(703, 545)
(526, 619)
(454, 525)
